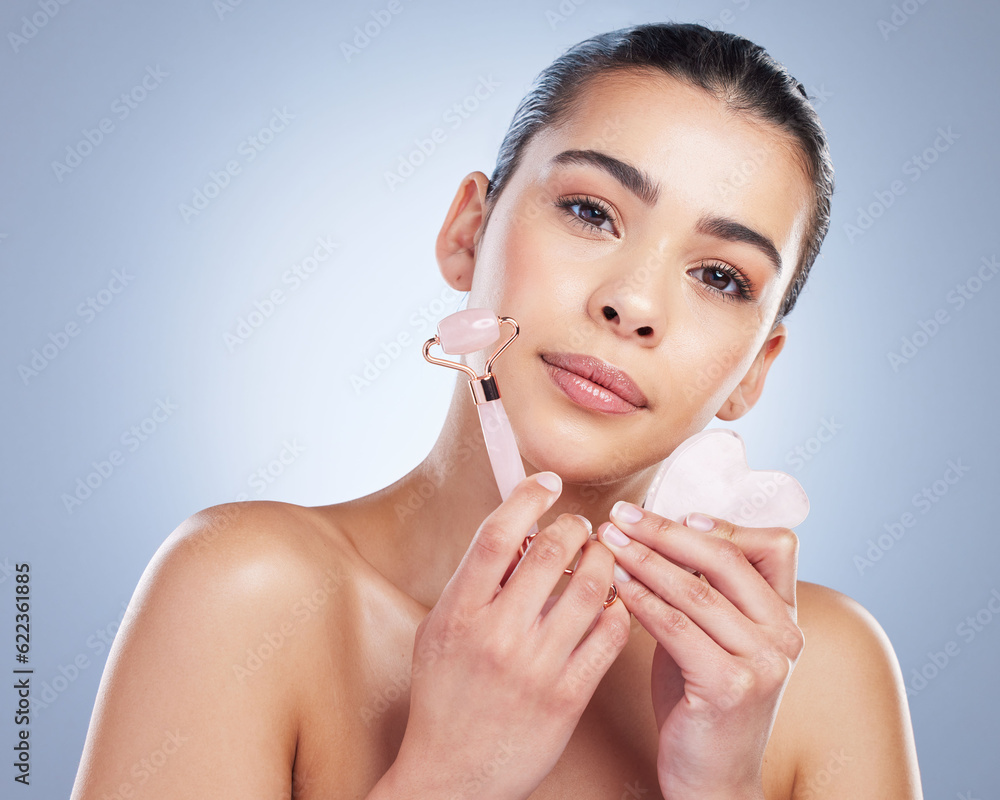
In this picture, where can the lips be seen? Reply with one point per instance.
(601, 373)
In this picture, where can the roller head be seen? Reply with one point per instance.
(708, 472)
(468, 331)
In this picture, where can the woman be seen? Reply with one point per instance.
(658, 201)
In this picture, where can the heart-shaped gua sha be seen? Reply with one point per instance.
(709, 472)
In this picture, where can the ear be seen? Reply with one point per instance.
(746, 395)
(456, 243)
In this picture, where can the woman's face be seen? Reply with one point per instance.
(643, 231)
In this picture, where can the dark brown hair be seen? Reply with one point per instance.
(731, 68)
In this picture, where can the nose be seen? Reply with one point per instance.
(611, 315)
(632, 317)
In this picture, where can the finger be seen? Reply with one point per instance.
(591, 659)
(694, 651)
(537, 573)
(656, 578)
(578, 606)
(719, 554)
(497, 540)
(773, 552)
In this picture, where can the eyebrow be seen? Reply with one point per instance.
(648, 191)
(632, 178)
(732, 231)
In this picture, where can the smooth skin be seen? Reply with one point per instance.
(367, 649)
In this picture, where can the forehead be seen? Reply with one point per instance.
(706, 158)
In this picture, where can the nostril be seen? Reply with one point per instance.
(609, 312)
(645, 330)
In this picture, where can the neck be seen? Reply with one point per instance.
(429, 516)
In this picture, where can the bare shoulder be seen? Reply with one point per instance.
(277, 576)
(254, 525)
(836, 618)
(846, 701)
(204, 685)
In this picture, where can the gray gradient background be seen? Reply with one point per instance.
(882, 99)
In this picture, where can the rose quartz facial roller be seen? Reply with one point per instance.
(467, 332)
(708, 472)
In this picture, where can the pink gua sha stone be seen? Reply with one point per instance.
(709, 472)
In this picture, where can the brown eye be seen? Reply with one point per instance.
(724, 280)
(588, 213)
(714, 276)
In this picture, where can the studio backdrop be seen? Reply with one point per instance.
(217, 221)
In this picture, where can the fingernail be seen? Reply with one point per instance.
(626, 512)
(590, 528)
(621, 576)
(699, 522)
(549, 480)
(613, 536)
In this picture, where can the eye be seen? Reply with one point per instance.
(589, 212)
(724, 280)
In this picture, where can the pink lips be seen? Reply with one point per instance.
(595, 383)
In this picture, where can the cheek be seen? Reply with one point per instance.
(530, 271)
(709, 360)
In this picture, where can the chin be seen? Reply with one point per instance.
(555, 439)
(554, 433)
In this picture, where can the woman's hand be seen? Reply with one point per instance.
(500, 677)
(726, 646)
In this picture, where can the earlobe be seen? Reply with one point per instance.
(749, 390)
(455, 248)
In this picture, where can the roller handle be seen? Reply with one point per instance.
(507, 467)
(502, 449)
